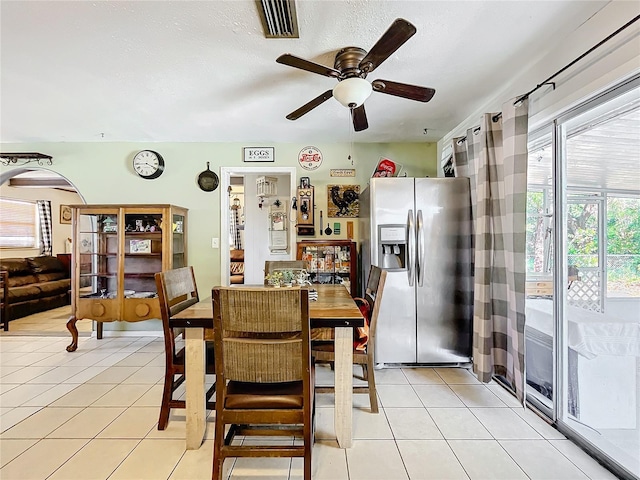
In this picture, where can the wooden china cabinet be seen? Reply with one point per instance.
(331, 261)
(117, 250)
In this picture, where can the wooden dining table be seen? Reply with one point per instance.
(335, 308)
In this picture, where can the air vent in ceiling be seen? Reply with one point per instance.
(278, 18)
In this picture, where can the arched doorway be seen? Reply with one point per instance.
(29, 184)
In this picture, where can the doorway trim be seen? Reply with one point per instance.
(225, 181)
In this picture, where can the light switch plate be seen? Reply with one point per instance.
(215, 242)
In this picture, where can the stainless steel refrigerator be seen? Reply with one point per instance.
(419, 230)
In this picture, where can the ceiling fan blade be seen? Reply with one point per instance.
(398, 33)
(302, 64)
(307, 107)
(359, 117)
(404, 90)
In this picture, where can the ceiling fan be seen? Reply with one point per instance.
(351, 67)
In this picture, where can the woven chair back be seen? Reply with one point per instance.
(271, 265)
(262, 334)
(177, 289)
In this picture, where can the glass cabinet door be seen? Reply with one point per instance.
(98, 255)
(142, 253)
(178, 259)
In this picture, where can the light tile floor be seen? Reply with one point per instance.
(92, 414)
(52, 322)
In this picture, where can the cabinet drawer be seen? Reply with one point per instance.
(101, 309)
(136, 309)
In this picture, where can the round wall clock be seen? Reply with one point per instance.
(148, 164)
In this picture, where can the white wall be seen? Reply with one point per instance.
(257, 228)
(606, 66)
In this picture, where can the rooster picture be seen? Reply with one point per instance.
(344, 201)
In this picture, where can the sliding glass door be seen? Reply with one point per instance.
(583, 334)
(539, 334)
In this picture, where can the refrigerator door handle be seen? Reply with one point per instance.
(420, 267)
(411, 241)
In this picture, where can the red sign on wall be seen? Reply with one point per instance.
(310, 158)
(387, 168)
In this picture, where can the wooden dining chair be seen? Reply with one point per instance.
(264, 374)
(176, 291)
(364, 344)
(271, 265)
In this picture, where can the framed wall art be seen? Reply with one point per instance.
(259, 154)
(343, 201)
(65, 214)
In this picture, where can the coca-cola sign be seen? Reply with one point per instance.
(310, 158)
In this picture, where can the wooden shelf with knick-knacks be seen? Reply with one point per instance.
(331, 261)
(117, 250)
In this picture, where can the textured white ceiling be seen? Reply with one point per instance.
(202, 71)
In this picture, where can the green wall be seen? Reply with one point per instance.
(102, 173)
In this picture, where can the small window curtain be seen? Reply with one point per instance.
(46, 231)
(494, 158)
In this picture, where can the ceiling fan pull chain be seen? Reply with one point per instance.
(351, 127)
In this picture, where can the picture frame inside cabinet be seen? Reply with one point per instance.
(140, 246)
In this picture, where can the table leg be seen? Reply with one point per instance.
(195, 387)
(343, 385)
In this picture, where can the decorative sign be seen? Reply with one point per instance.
(342, 172)
(140, 246)
(343, 201)
(259, 154)
(310, 158)
(387, 168)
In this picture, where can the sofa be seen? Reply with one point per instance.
(35, 284)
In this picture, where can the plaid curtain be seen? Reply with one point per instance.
(44, 210)
(495, 159)
(234, 227)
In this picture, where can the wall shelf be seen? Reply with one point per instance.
(23, 158)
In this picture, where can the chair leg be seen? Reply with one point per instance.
(373, 398)
(166, 398)
(309, 430)
(307, 462)
(218, 441)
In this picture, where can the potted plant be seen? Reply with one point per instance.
(287, 277)
(274, 278)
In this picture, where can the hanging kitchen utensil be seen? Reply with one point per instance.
(328, 230)
(321, 222)
(208, 180)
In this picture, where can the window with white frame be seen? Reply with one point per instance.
(18, 224)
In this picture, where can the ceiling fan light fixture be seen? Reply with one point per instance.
(352, 92)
